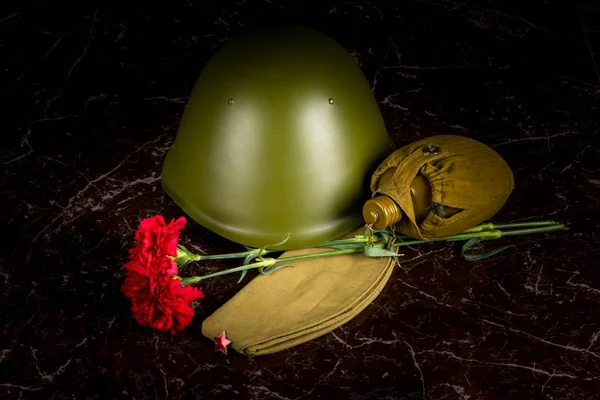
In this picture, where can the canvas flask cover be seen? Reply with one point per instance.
(299, 303)
(463, 173)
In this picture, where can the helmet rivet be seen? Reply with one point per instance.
(330, 100)
(230, 101)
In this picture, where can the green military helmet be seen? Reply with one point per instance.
(280, 136)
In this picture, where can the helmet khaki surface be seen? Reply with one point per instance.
(280, 135)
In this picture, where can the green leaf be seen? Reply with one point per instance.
(371, 251)
(270, 270)
(189, 280)
(279, 243)
(385, 235)
(184, 256)
(247, 260)
(190, 254)
(185, 250)
(468, 245)
(479, 256)
(181, 261)
(487, 254)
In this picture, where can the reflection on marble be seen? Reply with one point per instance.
(92, 101)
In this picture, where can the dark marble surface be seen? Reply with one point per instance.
(91, 100)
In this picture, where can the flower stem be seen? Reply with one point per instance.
(484, 235)
(491, 226)
(323, 254)
(268, 262)
(242, 254)
(543, 229)
(486, 231)
(344, 241)
(358, 245)
(195, 279)
(489, 234)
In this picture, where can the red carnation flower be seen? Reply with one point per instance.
(157, 238)
(158, 300)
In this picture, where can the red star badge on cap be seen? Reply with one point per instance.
(221, 343)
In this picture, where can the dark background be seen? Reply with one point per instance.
(92, 94)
